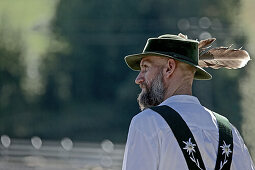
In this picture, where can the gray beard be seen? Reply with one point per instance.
(153, 95)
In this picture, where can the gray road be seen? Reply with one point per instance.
(59, 155)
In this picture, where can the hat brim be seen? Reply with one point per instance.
(133, 62)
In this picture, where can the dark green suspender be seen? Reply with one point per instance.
(225, 148)
(188, 144)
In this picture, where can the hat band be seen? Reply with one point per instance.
(174, 56)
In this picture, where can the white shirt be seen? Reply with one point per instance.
(151, 144)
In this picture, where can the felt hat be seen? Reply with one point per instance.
(172, 46)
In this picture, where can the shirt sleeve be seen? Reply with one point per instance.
(140, 151)
(241, 154)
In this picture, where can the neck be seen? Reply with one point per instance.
(182, 88)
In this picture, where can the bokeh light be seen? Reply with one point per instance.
(107, 146)
(67, 144)
(6, 141)
(36, 142)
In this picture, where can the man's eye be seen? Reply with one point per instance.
(145, 68)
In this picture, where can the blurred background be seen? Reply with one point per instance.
(66, 95)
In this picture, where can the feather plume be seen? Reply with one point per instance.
(220, 57)
(183, 36)
(204, 45)
(224, 57)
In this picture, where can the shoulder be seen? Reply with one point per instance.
(145, 115)
(238, 140)
(241, 155)
(239, 145)
(148, 122)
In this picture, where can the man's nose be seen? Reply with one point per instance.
(139, 79)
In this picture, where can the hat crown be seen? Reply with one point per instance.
(171, 36)
(175, 46)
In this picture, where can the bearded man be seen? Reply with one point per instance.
(174, 131)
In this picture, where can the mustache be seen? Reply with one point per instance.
(144, 85)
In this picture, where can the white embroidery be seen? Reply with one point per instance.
(225, 150)
(190, 147)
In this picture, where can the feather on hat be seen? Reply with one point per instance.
(220, 57)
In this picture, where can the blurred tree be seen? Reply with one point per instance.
(102, 33)
(246, 83)
(11, 72)
(24, 40)
(89, 93)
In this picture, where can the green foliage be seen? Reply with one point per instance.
(89, 92)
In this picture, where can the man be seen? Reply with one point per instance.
(167, 68)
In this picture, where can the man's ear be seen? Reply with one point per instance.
(170, 67)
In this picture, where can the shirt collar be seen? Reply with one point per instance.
(181, 99)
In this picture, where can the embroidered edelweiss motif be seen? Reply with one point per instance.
(225, 150)
(190, 147)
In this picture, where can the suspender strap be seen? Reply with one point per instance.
(183, 136)
(188, 144)
(225, 148)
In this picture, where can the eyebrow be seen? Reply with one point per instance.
(145, 62)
